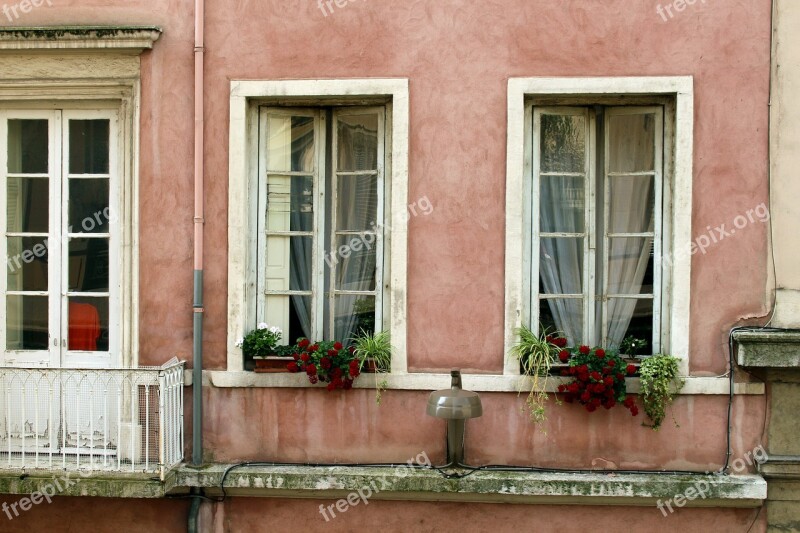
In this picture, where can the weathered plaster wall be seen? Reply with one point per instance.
(458, 57)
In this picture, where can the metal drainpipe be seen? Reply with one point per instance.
(197, 308)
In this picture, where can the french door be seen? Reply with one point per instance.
(61, 289)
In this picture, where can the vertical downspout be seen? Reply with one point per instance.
(197, 349)
(197, 306)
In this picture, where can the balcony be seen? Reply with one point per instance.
(92, 421)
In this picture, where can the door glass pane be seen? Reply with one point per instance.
(26, 322)
(630, 269)
(290, 143)
(88, 146)
(562, 204)
(355, 262)
(88, 324)
(563, 315)
(27, 263)
(352, 313)
(357, 203)
(561, 265)
(27, 146)
(290, 203)
(88, 265)
(27, 204)
(88, 206)
(357, 142)
(632, 204)
(289, 263)
(631, 319)
(563, 143)
(631, 142)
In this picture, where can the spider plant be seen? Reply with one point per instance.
(376, 347)
(535, 353)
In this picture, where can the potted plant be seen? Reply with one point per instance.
(658, 373)
(326, 362)
(535, 354)
(259, 344)
(598, 378)
(374, 352)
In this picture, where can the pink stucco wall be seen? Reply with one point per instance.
(458, 56)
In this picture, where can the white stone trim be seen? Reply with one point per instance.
(473, 382)
(681, 87)
(241, 152)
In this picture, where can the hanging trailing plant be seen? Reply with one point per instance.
(536, 353)
(658, 373)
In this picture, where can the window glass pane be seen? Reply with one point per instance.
(290, 203)
(88, 324)
(290, 143)
(355, 262)
(561, 265)
(27, 146)
(27, 263)
(632, 318)
(88, 206)
(631, 142)
(26, 322)
(88, 265)
(357, 203)
(353, 313)
(289, 263)
(564, 315)
(563, 143)
(632, 204)
(630, 265)
(27, 203)
(562, 204)
(88, 146)
(357, 142)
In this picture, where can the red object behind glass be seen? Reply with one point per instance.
(84, 327)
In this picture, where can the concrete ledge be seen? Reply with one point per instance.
(781, 467)
(120, 38)
(106, 485)
(402, 483)
(768, 349)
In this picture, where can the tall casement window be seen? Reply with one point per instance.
(321, 189)
(597, 222)
(59, 181)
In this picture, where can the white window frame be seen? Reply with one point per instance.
(677, 209)
(245, 98)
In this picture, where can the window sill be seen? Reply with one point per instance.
(474, 382)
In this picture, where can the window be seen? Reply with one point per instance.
(340, 163)
(61, 289)
(597, 223)
(599, 210)
(320, 221)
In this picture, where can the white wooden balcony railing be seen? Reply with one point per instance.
(92, 420)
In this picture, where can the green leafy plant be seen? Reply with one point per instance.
(260, 342)
(536, 353)
(631, 345)
(658, 373)
(375, 347)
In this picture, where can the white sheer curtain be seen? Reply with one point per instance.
(301, 198)
(356, 210)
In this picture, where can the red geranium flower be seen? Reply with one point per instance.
(584, 349)
(631, 370)
(332, 353)
(313, 348)
(337, 346)
(600, 353)
(561, 342)
(292, 367)
(304, 358)
(303, 343)
(311, 370)
(611, 363)
(563, 355)
(596, 376)
(562, 388)
(325, 363)
(585, 397)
